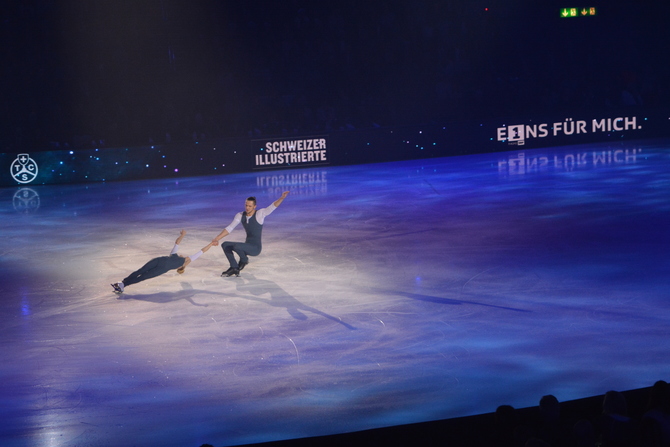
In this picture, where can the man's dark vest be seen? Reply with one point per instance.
(253, 229)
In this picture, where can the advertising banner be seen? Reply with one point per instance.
(284, 153)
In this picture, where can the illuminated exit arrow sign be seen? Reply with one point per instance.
(578, 12)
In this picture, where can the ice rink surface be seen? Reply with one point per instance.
(385, 294)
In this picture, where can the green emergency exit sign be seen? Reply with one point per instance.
(578, 12)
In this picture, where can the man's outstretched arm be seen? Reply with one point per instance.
(281, 199)
(220, 236)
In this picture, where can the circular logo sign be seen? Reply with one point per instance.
(24, 169)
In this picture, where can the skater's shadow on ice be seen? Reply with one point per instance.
(279, 298)
(187, 293)
(440, 300)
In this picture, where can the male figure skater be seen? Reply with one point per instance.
(160, 265)
(252, 220)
